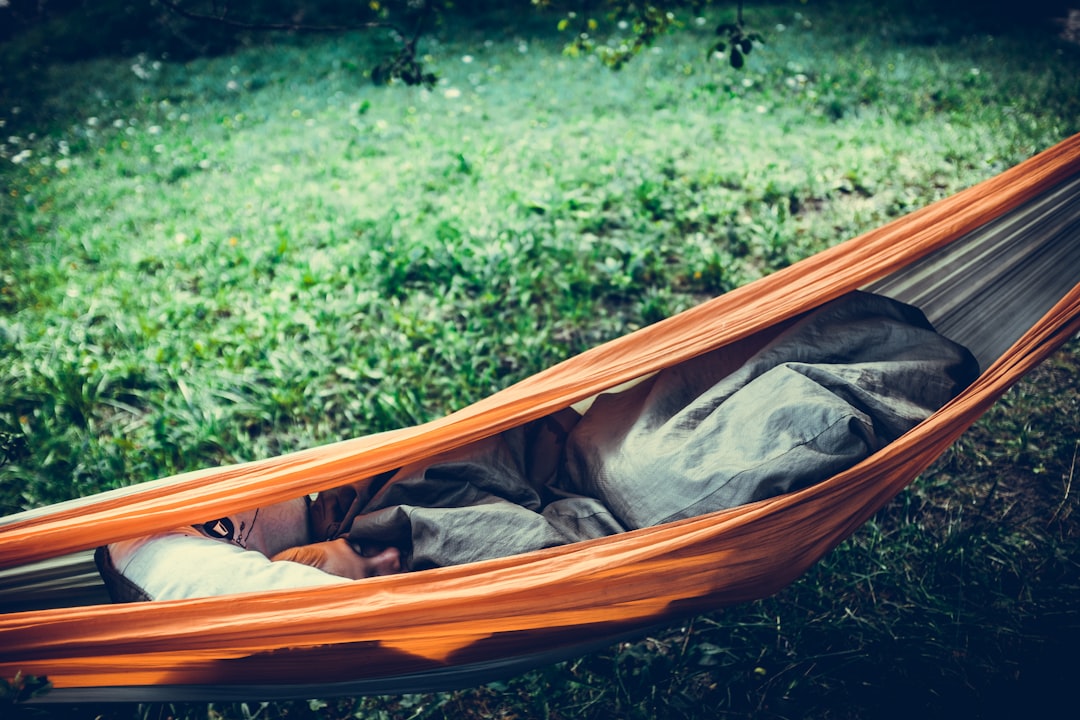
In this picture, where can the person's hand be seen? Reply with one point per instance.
(338, 557)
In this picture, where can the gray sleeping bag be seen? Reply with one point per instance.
(830, 390)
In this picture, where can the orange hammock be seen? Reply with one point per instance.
(996, 266)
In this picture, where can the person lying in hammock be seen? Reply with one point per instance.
(811, 399)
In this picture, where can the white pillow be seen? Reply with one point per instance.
(185, 564)
(220, 557)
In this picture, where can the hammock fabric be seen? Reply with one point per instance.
(449, 626)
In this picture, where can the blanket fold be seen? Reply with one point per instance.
(831, 389)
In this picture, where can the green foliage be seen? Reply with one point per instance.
(231, 257)
(736, 42)
(636, 28)
(405, 67)
(21, 688)
(616, 31)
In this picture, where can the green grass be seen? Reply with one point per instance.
(235, 257)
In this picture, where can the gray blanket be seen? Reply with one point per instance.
(832, 388)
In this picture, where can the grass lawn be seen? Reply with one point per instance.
(227, 258)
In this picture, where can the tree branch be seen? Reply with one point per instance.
(402, 65)
(223, 19)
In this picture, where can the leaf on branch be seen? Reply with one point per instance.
(404, 67)
(742, 42)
